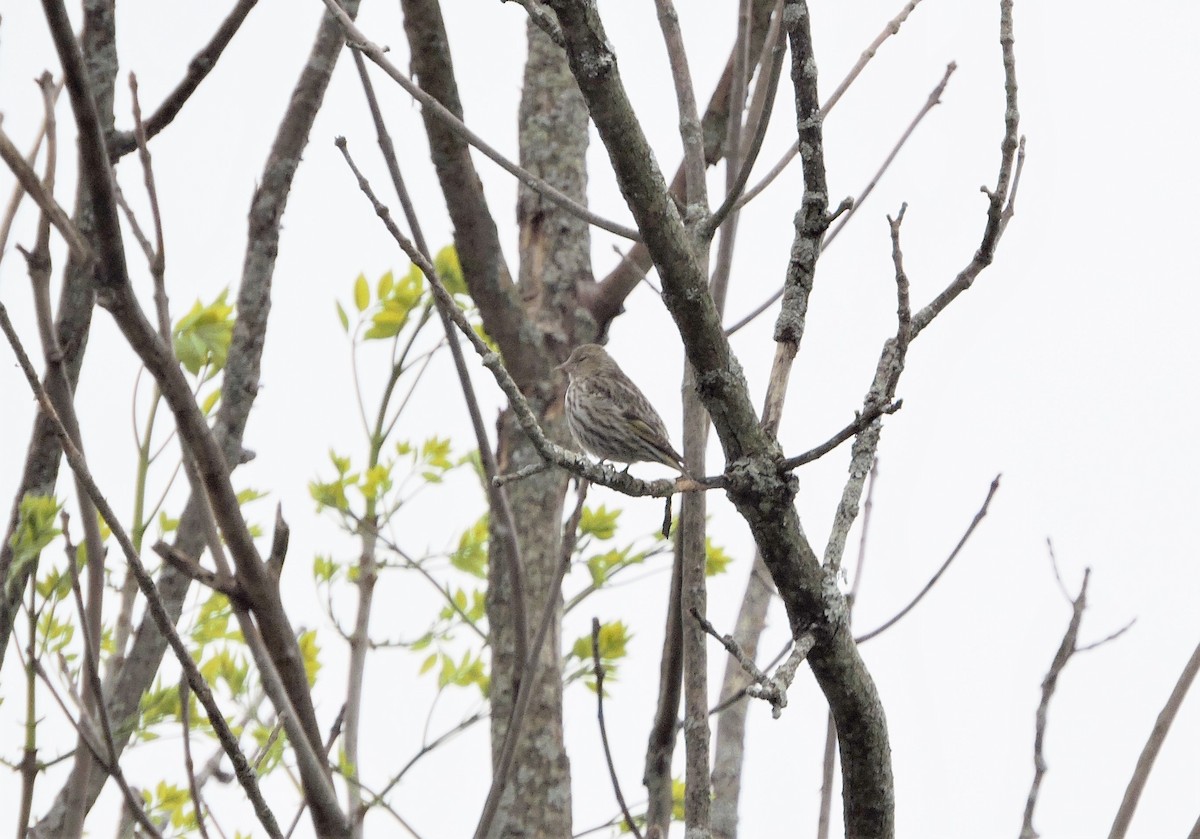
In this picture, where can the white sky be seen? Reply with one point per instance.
(1069, 368)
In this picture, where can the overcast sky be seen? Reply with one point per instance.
(1069, 368)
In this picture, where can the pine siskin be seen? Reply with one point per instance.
(609, 416)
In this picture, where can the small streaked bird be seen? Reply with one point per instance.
(609, 416)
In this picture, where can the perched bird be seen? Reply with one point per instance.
(609, 416)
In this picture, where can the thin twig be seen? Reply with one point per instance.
(32, 184)
(861, 421)
(522, 473)
(1065, 650)
(983, 511)
(933, 99)
(860, 562)
(96, 705)
(335, 731)
(424, 750)
(158, 262)
(892, 27)
(193, 787)
(828, 764)
(696, 189)
(1001, 199)
(630, 824)
(18, 193)
(1112, 636)
(358, 41)
(760, 117)
(773, 689)
(1062, 587)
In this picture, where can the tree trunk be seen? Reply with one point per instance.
(555, 257)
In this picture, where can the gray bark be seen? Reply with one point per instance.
(555, 256)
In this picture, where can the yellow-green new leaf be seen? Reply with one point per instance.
(362, 293)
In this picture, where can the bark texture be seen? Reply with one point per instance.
(555, 256)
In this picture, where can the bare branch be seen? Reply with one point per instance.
(193, 787)
(685, 96)
(892, 28)
(660, 745)
(95, 693)
(1112, 636)
(861, 421)
(1158, 736)
(224, 583)
(598, 669)
(605, 298)
(1002, 199)
(158, 260)
(759, 117)
(498, 499)
(241, 375)
(773, 689)
(357, 40)
(14, 202)
(1065, 650)
(983, 511)
(198, 69)
(933, 99)
(133, 802)
(30, 182)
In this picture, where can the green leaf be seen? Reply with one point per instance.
(602, 565)
(324, 569)
(202, 336)
(167, 524)
(471, 555)
(384, 287)
(36, 518)
(614, 637)
(245, 496)
(310, 652)
(483, 336)
(55, 635)
(210, 402)
(342, 464)
(716, 561)
(387, 322)
(435, 452)
(449, 270)
(54, 586)
(428, 663)
(362, 293)
(343, 317)
(600, 523)
(377, 480)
